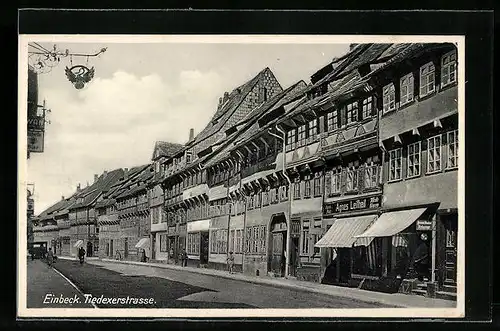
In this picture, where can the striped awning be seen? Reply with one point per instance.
(143, 243)
(343, 231)
(78, 243)
(391, 223)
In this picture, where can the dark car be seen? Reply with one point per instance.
(37, 250)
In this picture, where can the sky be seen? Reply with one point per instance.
(142, 93)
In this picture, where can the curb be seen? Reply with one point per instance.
(264, 282)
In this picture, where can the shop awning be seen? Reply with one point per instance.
(78, 243)
(343, 231)
(391, 223)
(143, 243)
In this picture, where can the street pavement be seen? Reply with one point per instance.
(44, 282)
(169, 288)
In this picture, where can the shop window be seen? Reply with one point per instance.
(449, 68)
(352, 112)
(291, 140)
(296, 190)
(313, 129)
(395, 164)
(333, 120)
(434, 154)
(213, 242)
(452, 138)
(301, 136)
(352, 179)
(427, 77)
(307, 188)
(304, 247)
(163, 242)
(317, 186)
(389, 98)
(414, 154)
(239, 242)
(367, 110)
(367, 260)
(231, 240)
(406, 89)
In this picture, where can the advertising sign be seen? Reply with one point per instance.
(353, 205)
(35, 141)
(424, 225)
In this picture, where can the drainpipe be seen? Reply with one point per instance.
(288, 221)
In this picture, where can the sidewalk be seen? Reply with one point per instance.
(396, 299)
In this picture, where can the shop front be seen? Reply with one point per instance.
(346, 260)
(197, 242)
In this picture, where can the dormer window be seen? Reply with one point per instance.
(189, 156)
(406, 84)
(449, 68)
(389, 98)
(367, 107)
(352, 112)
(427, 79)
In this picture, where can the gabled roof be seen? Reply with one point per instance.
(140, 177)
(166, 149)
(228, 108)
(103, 184)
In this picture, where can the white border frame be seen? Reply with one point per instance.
(22, 311)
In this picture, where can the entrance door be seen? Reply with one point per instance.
(344, 264)
(89, 249)
(451, 250)
(153, 247)
(111, 250)
(278, 253)
(204, 248)
(295, 257)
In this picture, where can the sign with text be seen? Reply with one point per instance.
(35, 141)
(36, 123)
(351, 205)
(424, 225)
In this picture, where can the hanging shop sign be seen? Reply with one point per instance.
(36, 123)
(352, 205)
(79, 75)
(424, 225)
(35, 141)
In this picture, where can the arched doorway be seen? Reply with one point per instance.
(89, 249)
(277, 244)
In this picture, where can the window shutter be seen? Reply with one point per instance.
(361, 178)
(343, 180)
(328, 183)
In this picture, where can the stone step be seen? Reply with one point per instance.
(449, 288)
(446, 295)
(419, 292)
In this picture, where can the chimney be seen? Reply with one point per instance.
(105, 173)
(220, 103)
(62, 197)
(226, 96)
(351, 46)
(96, 177)
(78, 187)
(191, 134)
(125, 173)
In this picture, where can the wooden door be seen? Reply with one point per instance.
(278, 256)
(451, 251)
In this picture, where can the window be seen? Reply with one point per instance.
(389, 97)
(276, 194)
(449, 68)
(413, 160)
(434, 154)
(426, 79)
(238, 245)
(406, 89)
(231, 240)
(352, 179)
(317, 186)
(452, 149)
(250, 202)
(296, 190)
(193, 242)
(213, 243)
(335, 182)
(395, 164)
(371, 175)
(307, 188)
(290, 140)
(163, 242)
(284, 192)
(333, 120)
(352, 112)
(313, 129)
(305, 241)
(301, 136)
(257, 200)
(189, 156)
(367, 107)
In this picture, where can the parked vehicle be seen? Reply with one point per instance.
(37, 250)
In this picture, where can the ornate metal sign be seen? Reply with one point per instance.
(79, 75)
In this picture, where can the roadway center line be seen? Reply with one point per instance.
(72, 284)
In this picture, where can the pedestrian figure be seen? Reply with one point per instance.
(50, 257)
(171, 254)
(230, 262)
(184, 257)
(81, 254)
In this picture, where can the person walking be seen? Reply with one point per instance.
(230, 262)
(50, 257)
(184, 257)
(81, 254)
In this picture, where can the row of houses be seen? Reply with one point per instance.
(343, 180)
